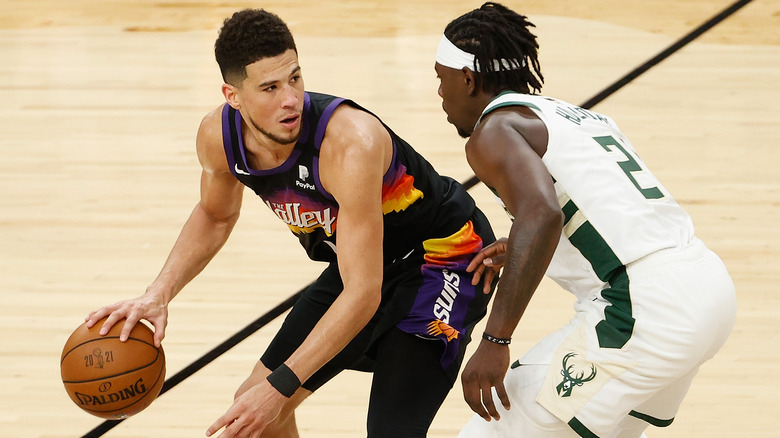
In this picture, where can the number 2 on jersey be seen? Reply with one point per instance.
(629, 166)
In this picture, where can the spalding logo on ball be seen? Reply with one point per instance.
(109, 378)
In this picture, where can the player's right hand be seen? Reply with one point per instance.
(488, 263)
(483, 374)
(150, 307)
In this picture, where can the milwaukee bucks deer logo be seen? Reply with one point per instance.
(570, 380)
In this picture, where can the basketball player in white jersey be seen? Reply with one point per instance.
(653, 303)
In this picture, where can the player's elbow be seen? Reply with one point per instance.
(549, 216)
(373, 298)
(370, 300)
(226, 218)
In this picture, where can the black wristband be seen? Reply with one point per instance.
(284, 380)
(495, 340)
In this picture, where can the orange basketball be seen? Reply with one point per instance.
(109, 378)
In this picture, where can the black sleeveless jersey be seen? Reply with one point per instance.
(418, 204)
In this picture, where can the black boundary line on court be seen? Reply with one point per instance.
(468, 184)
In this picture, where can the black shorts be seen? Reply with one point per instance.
(428, 304)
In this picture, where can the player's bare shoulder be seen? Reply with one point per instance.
(514, 124)
(350, 121)
(353, 129)
(355, 143)
(209, 142)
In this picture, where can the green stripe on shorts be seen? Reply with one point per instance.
(581, 429)
(657, 422)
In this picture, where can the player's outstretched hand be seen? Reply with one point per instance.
(150, 307)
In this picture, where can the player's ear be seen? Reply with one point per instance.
(231, 95)
(471, 80)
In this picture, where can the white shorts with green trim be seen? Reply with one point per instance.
(610, 373)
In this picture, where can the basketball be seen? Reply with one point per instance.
(108, 378)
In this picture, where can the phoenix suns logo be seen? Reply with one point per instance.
(438, 327)
(572, 378)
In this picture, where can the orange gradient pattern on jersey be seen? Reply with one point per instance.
(463, 243)
(401, 195)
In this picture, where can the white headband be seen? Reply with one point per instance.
(449, 55)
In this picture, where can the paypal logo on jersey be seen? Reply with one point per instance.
(303, 173)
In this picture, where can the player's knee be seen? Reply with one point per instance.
(283, 426)
(248, 383)
(259, 373)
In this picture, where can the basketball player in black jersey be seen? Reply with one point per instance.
(395, 298)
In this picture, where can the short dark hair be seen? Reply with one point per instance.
(495, 32)
(248, 36)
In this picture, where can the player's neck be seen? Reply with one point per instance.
(265, 153)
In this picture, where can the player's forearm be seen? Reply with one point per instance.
(531, 244)
(200, 239)
(346, 317)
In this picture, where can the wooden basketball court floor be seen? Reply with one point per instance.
(100, 101)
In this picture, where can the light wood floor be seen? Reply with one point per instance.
(99, 103)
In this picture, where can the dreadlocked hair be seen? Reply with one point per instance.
(248, 36)
(505, 51)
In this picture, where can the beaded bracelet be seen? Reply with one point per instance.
(284, 380)
(495, 340)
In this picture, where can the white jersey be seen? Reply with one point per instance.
(616, 211)
(653, 302)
